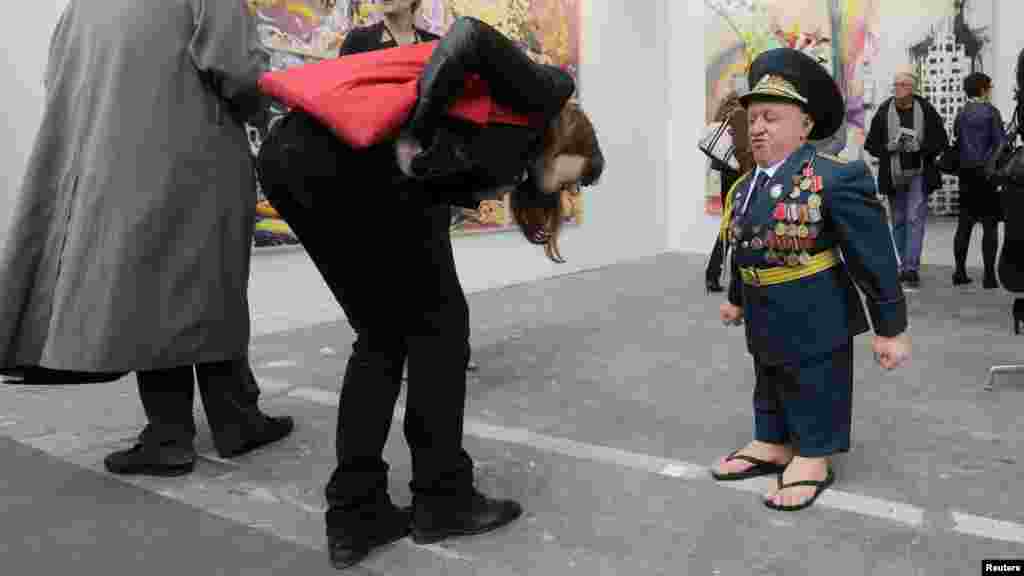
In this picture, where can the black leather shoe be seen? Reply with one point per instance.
(436, 518)
(912, 279)
(961, 278)
(371, 528)
(274, 428)
(990, 282)
(152, 460)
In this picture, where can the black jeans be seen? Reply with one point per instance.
(230, 398)
(384, 249)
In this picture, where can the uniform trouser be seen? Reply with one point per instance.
(387, 258)
(807, 404)
(230, 398)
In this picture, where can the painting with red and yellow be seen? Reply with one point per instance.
(301, 31)
(842, 35)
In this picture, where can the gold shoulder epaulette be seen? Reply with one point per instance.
(834, 158)
(727, 209)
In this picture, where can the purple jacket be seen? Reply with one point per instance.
(979, 129)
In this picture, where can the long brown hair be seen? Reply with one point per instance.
(732, 111)
(539, 214)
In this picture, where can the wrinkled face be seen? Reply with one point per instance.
(902, 87)
(777, 129)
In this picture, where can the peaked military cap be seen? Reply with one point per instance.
(790, 75)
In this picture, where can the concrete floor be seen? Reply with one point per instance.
(600, 399)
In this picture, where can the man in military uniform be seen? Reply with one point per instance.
(787, 222)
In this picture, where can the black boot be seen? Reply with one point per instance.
(990, 280)
(435, 518)
(152, 459)
(352, 534)
(960, 277)
(274, 428)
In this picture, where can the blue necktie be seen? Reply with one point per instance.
(762, 179)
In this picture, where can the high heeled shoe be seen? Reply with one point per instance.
(1018, 315)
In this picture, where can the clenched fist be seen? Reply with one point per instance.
(891, 352)
(731, 315)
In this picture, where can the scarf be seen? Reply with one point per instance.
(899, 175)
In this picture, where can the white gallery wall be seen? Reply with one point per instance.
(689, 227)
(1007, 42)
(626, 64)
(23, 59)
(624, 89)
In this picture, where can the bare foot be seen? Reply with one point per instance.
(799, 469)
(778, 453)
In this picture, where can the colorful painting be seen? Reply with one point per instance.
(942, 41)
(301, 31)
(841, 34)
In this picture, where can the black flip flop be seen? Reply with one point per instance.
(759, 468)
(819, 485)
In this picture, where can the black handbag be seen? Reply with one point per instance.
(1006, 164)
(1011, 171)
(949, 161)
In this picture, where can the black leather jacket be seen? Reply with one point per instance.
(979, 129)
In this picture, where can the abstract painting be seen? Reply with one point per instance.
(301, 31)
(842, 35)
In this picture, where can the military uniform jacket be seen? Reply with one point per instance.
(813, 204)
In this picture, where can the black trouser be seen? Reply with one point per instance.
(386, 254)
(714, 269)
(979, 203)
(230, 398)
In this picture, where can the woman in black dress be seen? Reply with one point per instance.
(979, 129)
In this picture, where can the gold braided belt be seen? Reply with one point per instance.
(781, 274)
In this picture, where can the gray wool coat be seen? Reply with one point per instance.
(130, 243)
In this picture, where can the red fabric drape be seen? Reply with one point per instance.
(364, 98)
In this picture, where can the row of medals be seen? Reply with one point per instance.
(796, 224)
